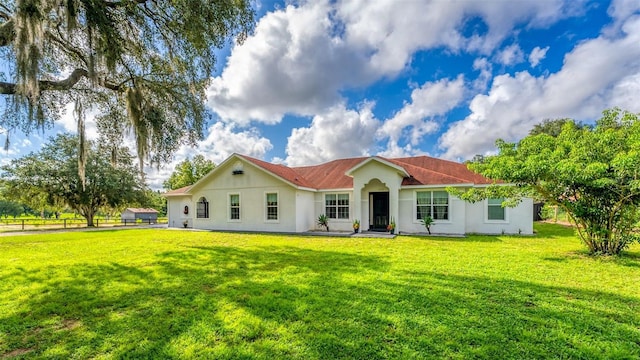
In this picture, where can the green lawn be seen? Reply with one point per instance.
(182, 294)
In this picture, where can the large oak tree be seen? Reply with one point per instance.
(143, 65)
(51, 175)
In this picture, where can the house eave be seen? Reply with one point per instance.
(431, 186)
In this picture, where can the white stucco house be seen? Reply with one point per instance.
(247, 194)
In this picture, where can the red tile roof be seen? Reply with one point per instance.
(331, 175)
(284, 172)
(180, 191)
(423, 170)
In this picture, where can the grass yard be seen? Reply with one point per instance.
(180, 294)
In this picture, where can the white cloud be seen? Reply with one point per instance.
(622, 9)
(336, 133)
(224, 140)
(292, 64)
(510, 55)
(301, 57)
(394, 31)
(625, 93)
(416, 118)
(537, 55)
(69, 121)
(597, 74)
(485, 68)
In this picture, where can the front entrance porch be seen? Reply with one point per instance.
(378, 211)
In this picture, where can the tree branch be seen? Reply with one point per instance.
(115, 4)
(7, 88)
(7, 33)
(5, 11)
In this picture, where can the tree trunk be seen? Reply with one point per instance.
(88, 214)
(89, 218)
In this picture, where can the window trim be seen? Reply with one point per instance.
(494, 221)
(266, 207)
(431, 205)
(206, 208)
(229, 219)
(337, 206)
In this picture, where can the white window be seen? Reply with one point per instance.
(272, 206)
(336, 206)
(432, 203)
(495, 211)
(234, 206)
(202, 208)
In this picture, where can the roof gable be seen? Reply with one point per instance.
(399, 168)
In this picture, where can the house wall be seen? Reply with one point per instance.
(175, 211)
(408, 222)
(519, 219)
(334, 224)
(305, 211)
(252, 186)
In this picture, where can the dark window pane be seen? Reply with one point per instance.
(441, 212)
(423, 211)
(495, 212)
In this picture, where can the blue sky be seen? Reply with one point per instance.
(320, 80)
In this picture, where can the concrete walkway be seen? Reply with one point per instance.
(374, 234)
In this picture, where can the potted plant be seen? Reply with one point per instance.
(323, 220)
(356, 225)
(392, 226)
(427, 221)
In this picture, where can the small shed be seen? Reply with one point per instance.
(131, 215)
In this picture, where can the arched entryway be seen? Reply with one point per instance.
(377, 194)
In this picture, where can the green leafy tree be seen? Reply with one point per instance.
(188, 172)
(142, 65)
(591, 173)
(10, 208)
(552, 127)
(155, 200)
(52, 175)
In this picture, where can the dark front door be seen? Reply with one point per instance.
(379, 217)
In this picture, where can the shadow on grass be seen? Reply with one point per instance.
(472, 238)
(286, 302)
